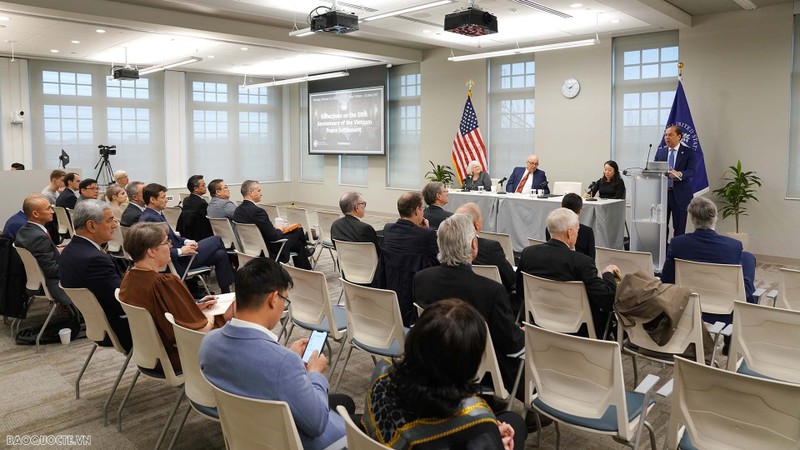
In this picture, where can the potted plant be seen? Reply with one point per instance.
(443, 174)
(740, 187)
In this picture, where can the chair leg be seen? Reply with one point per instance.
(44, 325)
(80, 374)
(180, 428)
(288, 333)
(558, 432)
(125, 400)
(513, 394)
(114, 388)
(169, 419)
(652, 435)
(344, 367)
(338, 357)
(635, 371)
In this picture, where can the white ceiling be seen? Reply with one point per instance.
(162, 31)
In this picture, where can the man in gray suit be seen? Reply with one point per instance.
(34, 237)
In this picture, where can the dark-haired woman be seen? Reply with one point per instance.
(427, 399)
(610, 185)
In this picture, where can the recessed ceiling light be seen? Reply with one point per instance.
(244, 49)
(211, 56)
(576, 5)
(615, 21)
(53, 51)
(5, 19)
(100, 30)
(75, 42)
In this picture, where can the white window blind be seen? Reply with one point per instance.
(512, 106)
(793, 175)
(404, 158)
(312, 167)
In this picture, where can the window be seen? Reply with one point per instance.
(312, 167)
(404, 158)
(73, 114)
(235, 133)
(512, 107)
(645, 79)
(793, 178)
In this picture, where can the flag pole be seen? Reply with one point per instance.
(469, 84)
(680, 71)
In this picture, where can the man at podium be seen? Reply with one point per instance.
(681, 169)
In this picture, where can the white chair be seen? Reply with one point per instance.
(374, 324)
(719, 285)
(35, 281)
(716, 409)
(244, 258)
(295, 214)
(183, 196)
(148, 352)
(97, 329)
(222, 227)
(272, 211)
(561, 306)
(64, 222)
(326, 219)
(357, 260)
(253, 242)
(490, 272)
(172, 213)
(689, 331)
(789, 289)
(252, 424)
(357, 439)
(765, 342)
(532, 241)
(311, 308)
(579, 382)
(192, 272)
(566, 187)
(195, 387)
(505, 242)
(627, 261)
(489, 365)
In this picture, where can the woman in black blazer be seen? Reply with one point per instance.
(610, 185)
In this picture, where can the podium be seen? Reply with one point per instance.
(648, 229)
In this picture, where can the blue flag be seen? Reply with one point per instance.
(681, 116)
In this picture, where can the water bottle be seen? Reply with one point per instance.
(653, 212)
(658, 213)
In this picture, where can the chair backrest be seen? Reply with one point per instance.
(768, 339)
(357, 439)
(251, 239)
(373, 316)
(722, 410)
(358, 261)
(789, 289)
(719, 285)
(490, 365)
(490, 272)
(64, 224)
(253, 424)
(566, 187)
(299, 215)
(244, 258)
(532, 241)
(97, 326)
(326, 219)
(222, 227)
(272, 211)
(310, 301)
(576, 375)
(196, 387)
(32, 271)
(148, 350)
(627, 261)
(172, 213)
(505, 242)
(561, 306)
(124, 232)
(183, 196)
(115, 244)
(689, 330)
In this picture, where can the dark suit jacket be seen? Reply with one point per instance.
(36, 241)
(193, 222)
(585, 242)
(249, 212)
(352, 229)
(151, 215)
(539, 178)
(684, 163)
(84, 266)
(436, 215)
(131, 215)
(490, 253)
(487, 296)
(13, 224)
(67, 199)
(555, 261)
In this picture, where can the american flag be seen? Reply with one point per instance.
(468, 144)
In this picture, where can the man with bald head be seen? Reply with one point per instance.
(523, 179)
(490, 253)
(34, 237)
(350, 228)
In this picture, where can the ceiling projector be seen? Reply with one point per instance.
(337, 22)
(125, 73)
(471, 21)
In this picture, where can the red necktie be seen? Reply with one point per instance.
(522, 183)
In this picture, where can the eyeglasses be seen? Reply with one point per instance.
(168, 244)
(285, 299)
(362, 203)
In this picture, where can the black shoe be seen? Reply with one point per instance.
(530, 421)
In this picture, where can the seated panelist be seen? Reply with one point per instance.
(610, 185)
(476, 177)
(523, 179)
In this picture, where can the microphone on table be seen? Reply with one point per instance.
(589, 190)
(543, 186)
(502, 180)
(500, 188)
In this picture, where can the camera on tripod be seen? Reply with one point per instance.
(106, 150)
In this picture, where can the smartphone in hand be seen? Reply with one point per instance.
(315, 342)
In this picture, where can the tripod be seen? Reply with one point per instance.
(105, 174)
